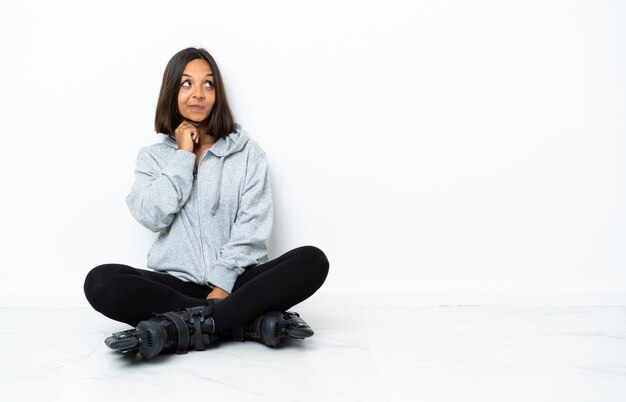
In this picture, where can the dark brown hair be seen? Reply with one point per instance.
(220, 122)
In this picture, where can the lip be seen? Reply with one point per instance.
(196, 108)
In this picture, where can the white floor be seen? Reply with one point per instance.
(359, 353)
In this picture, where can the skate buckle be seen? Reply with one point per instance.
(195, 312)
(196, 318)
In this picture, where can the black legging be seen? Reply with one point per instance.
(130, 295)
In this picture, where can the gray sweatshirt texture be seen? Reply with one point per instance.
(213, 224)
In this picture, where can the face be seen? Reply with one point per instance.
(196, 95)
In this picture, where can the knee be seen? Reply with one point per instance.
(96, 283)
(316, 262)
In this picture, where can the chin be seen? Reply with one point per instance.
(194, 119)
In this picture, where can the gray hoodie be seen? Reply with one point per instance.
(213, 224)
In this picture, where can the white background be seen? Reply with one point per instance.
(430, 148)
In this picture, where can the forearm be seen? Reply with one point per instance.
(157, 194)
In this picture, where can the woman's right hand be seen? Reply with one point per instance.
(187, 136)
(218, 293)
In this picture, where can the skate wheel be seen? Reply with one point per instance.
(123, 343)
(124, 334)
(299, 333)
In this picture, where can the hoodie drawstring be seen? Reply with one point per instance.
(216, 196)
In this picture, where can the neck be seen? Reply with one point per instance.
(206, 140)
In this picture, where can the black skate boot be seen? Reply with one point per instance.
(175, 331)
(271, 327)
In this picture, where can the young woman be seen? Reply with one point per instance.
(205, 189)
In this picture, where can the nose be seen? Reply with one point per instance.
(198, 93)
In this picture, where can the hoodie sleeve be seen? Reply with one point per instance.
(160, 192)
(250, 233)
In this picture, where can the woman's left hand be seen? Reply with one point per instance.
(218, 293)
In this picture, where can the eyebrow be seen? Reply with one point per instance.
(188, 75)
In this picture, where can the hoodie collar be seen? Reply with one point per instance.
(230, 144)
(223, 147)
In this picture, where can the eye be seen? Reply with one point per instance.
(185, 84)
(209, 84)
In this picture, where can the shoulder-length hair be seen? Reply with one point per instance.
(220, 122)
